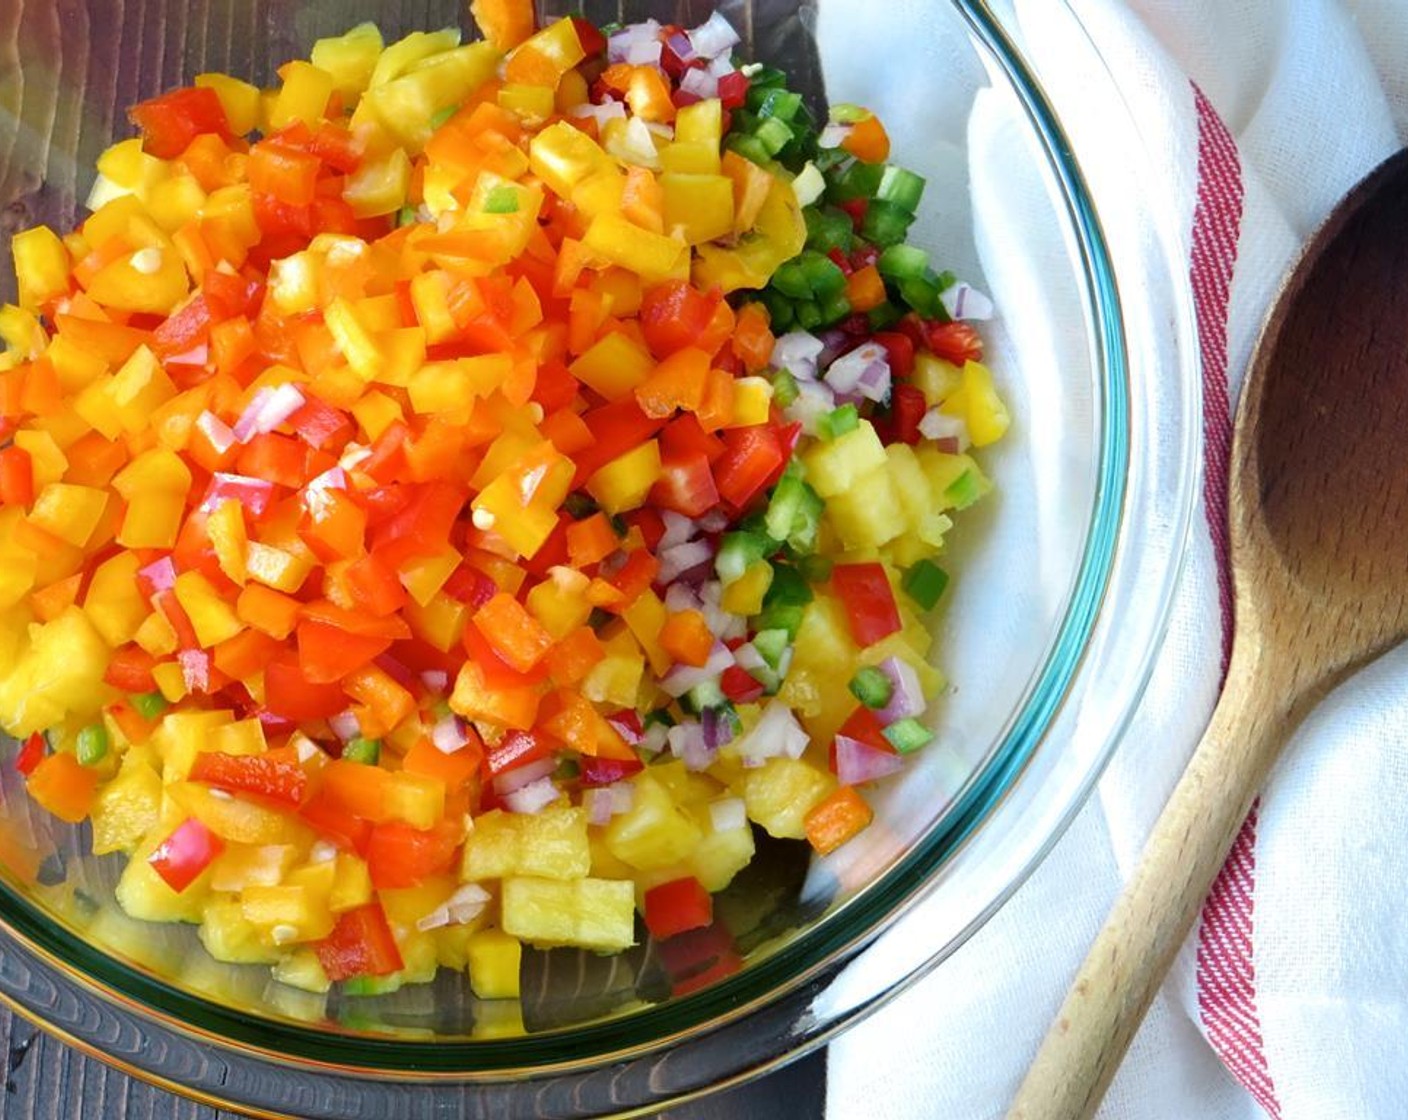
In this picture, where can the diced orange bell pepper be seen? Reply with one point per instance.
(836, 819)
(64, 787)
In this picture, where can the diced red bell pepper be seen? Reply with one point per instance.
(597, 771)
(676, 314)
(274, 775)
(331, 820)
(31, 754)
(130, 670)
(733, 90)
(739, 685)
(399, 856)
(955, 342)
(288, 691)
(470, 586)
(16, 477)
(907, 409)
(753, 458)
(865, 592)
(423, 526)
(856, 208)
(361, 944)
(593, 41)
(327, 653)
(183, 331)
(517, 748)
(677, 906)
(698, 957)
(170, 122)
(635, 577)
(320, 425)
(188, 851)
(899, 351)
(686, 483)
(618, 427)
(864, 726)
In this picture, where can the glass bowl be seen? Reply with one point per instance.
(1064, 582)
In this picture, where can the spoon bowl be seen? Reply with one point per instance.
(1318, 523)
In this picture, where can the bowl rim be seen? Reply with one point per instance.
(812, 953)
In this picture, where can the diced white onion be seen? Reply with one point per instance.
(813, 401)
(449, 735)
(809, 185)
(606, 111)
(644, 52)
(435, 680)
(217, 433)
(681, 558)
(618, 46)
(939, 425)
(510, 781)
(700, 82)
(466, 904)
(797, 353)
(682, 678)
(345, 726)
(848, 372)
(834, 135)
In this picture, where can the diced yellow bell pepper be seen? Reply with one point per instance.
(781, 234)
(156, 635)
(243, 737)
(562, 156)
(440, 622)
(745, 594)
(69, 512)
(692, 159)
(614, 366)
(277, 567)
(752, 401)
(652, 256)
(375, 412)
(405, 105)
(212, 618)
(41, 266)
(560, 604)
(350, 58)
(531, 103)
(616, 679)
(159, 470)
(180, 738)
(47, 461)
(424, 576)
(495, 963)
(175, 201)
(698, 206)
(701, 123)
(75, 367)
(152, 519)
(238, 819)
(352, 884)
(416, 799)
(114, 604)
(430, 297)
(240, 100)
(151, 280)
(623, 484)
(645, 618)
(979, 405)
(401, 55)
(170, 681)
(226, 529)
(303, 96)
(379, 187)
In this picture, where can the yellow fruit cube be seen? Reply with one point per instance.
(550, 845)
(781, 792)
(655, 831)
(128, 807)
(494, 960)
(231, 937)
(597, 914)
(623, 484)
(836, 466)
(614, 366)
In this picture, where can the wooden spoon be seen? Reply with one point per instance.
(1319, 545)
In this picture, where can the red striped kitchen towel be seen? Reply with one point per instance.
(1289, 1000)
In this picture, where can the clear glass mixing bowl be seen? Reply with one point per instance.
(1063, 585)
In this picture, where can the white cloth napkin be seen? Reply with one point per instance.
(1290, 999)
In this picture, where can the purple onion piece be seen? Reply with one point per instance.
(682, 678)
(906, 693)
(511, 781)
(858, 763)
(532, 798)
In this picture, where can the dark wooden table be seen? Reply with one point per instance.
(45, 1080)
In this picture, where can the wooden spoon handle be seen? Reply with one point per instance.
(1135, 948)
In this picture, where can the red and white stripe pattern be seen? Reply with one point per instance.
(1226, 975)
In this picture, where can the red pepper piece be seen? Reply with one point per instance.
(31, 754)
(182, 856)
(677, 906)
(361, 944)
(289, 693)
(865, 592)
(274, 776)
(399, 856)
(170, 122)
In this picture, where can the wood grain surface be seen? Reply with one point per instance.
(45, 1080)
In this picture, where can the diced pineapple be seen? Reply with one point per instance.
(229, 936)
(870, 513)
(494, 960)
(181, 737)
(836, 466)
(128, 807)
(245, 865)
(910, 483)
(686, 786)
(60, 673)
(654, 832)
(351, 885)
(720, 856)
(781, 792)
(936, 378)
(979, 405)
(145, 895)
(419, 957)
(303, 970)
(550, 845)
(956, 480)
(596, 914)
(287, 913)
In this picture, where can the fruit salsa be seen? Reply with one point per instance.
(450, 500)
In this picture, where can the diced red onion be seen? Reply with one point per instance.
(435, 680)
(217, 433)
(963, 301)
(345, 726)
(606, 111)
(797, 352)
(714, 37)
(857, 762)
(654, 740)
(678, 529)
(682, 678)
(449, 735)
(728, 814)
(720, 726)
(619, 45)
(644, 52)
(334, 478)
(748, 657)
(834, 342)
(532, 798)
(834, 135)
(195, 669)
(858, 371)
(688, 743)
(466, 904)
(160, 575)
(682, 597)
(813, 401)
(605, 802)
(254, 494)
(715, 521)
(681, 558)
(938, 425)
(700, 83)
(511, 781)
(721, 67)
(776, 734)
(268, 409)
(906, 693)
(679, 43)
(628, 725)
